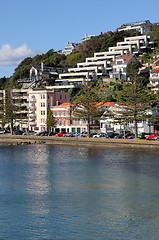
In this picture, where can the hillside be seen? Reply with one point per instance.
(85, 49)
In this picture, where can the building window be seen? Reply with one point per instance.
(57, 113)
(43, 96)
(66, 113)
(53, 114)
(119, 62)
(62, 122)
(48, 96)
(66, 122)
(75, 122)
(61, 113)
(60, 97)
(58, 121)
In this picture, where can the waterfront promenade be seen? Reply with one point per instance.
(78, 141)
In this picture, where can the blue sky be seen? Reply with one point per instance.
(34, 26)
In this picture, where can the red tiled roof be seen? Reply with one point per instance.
(125, 57)
(156, 70)
(107, 104)
(66, 104)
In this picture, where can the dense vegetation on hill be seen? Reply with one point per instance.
(85, 49)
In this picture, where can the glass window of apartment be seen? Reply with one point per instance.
(43, 104)
(65, 97)
(66, 114)
(48, 96)
(41, 120)
(62, 122)
(60, 97)
(57, 113)
(43, 112)
(53, 113)
(61, 113)
(43, 96)
(119, 62)
(66, 122)
(75, 122)
(124, 70)
(58, 121)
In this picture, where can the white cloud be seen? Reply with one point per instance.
(13, 56)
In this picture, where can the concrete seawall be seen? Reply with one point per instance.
(78, 141)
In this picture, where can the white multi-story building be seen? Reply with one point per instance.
(110, 125)
(40, 102)
(100, 65)
(69, 48)
(20, 99)
(154, 80)
(143, 27)
(119, 66)
(87, 37)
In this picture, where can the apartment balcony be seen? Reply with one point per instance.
(32, 124)
(32, 100)
(33, 109)
(32, 117)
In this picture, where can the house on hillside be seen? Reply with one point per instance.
(119, 66)
(143, 27)
(69, 48)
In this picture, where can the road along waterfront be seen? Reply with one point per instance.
(78, 141)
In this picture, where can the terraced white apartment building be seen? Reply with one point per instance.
(100, 65)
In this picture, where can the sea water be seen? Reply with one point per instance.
(60, 192)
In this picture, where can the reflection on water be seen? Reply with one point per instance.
(50, 192)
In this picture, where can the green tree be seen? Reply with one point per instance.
(11, 110)
(85, 105)
(50, 121)
(136, 99)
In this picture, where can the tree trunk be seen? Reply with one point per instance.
(135, 125)
(88, 129)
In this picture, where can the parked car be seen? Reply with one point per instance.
(111, 134)
(44, 133)
(130, 135)
(17, 132)
(69, 135)
(120, 136)
(143, 135)
(92, 134)
(29, 133)
(60, 134)
(100, 135)
(152, 137)
(4, 131)
(52, 133)
(83, 134)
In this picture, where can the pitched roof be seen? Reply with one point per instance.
(107, 104)
(156, 70)
(63, 105)
(125, 57)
